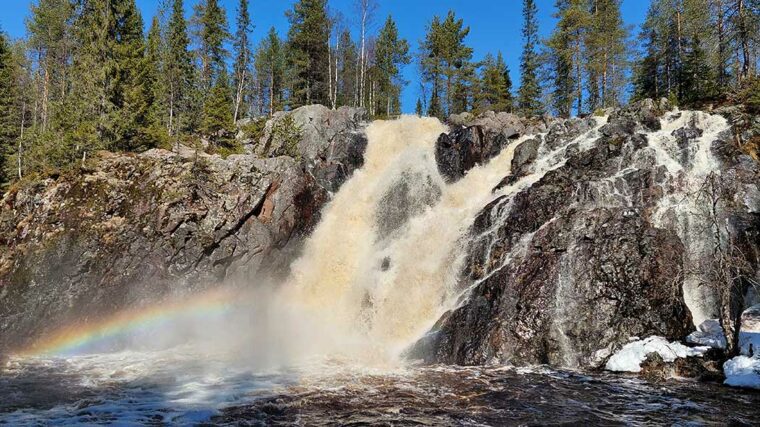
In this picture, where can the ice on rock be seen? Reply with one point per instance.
(708, 333)
(749, 334)
(630, 357)
(743, 371)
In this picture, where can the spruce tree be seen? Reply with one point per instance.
(212, 34)
(155, 131)
(348, 58)
(179, 69)
(131, 95)
(270, 70)
(391, 52)
(218, 114)
(243, 55)
(529, 94)
(506, 101)
(10, 115)
(418, 107)
(307, 52)
(494, 93)
(697, 77)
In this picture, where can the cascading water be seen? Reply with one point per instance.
(382, 266)
(684, 205)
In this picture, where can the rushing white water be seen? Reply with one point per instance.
(366, 289)
(684, 206)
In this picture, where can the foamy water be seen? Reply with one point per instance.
(325, 346)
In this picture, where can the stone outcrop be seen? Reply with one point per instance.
(128, 230)
(602, 247)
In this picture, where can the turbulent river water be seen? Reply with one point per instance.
(326, 347)
(179, 387)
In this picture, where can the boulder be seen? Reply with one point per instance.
(463, 149)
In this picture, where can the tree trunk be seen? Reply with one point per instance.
(271, 93)
(578, 75)
(45, 99)
(743, 39)
(362, 59)
(19, 152)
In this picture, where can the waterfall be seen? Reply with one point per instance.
(684, 207)
(383, 263)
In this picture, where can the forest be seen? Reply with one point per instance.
(88, 76)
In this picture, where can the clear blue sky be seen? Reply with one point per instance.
(494, 24)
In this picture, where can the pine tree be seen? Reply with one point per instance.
(218, 113)
(432, 64)
(446, 65)
(456, 57)
(10, 115)
(51, 40)
(179, 69)
(568, 44)
(494, 93)
(348, 59)
(606, 54)
(307, 52)
(418, 107)
(211, 33)
(529, 95)
(270, 69)
(391, 53)
(243, 54)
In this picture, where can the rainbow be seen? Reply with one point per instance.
(67, 340)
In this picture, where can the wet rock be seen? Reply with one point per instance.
(524, 155)
(409, 196)
(589, 279)
(645, 112)
(463, 149)
(654, 369)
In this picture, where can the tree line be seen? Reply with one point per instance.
(87, 76)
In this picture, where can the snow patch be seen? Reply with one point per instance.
(743, 371)
(630, 357)
(749, 334)
(708, 333)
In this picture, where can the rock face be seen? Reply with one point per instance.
(330, 142)
(605, 238)
(474, 141)
(131, 229)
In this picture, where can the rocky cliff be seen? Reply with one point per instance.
(129, 230)
(612, 231)
(604, 228)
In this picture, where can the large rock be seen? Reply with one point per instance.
(587, 281)
(131, 229)
(330, 143)
(604, 245)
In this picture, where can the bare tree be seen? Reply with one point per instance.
(731, 272)
(366, 10)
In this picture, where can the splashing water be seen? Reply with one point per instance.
(367, 289)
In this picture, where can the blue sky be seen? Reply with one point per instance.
(494, 24)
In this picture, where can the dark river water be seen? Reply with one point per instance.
(175, 388)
